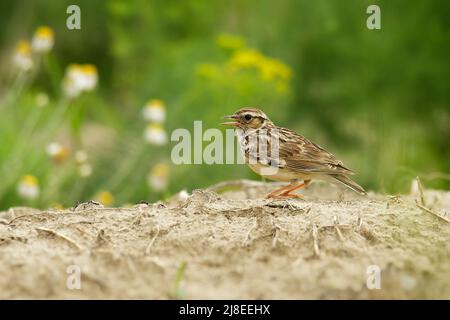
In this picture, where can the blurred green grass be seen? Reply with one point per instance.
(378, 99)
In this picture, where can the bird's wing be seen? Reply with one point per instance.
(300, 154)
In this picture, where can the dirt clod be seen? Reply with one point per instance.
(231, 246)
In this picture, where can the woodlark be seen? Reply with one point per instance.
(281, 154)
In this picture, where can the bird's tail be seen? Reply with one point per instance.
(349, 183)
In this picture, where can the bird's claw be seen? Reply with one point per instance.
(285, 196)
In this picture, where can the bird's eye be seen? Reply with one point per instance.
(247, 117)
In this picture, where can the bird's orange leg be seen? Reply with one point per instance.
(278, 191)
(285, 192)
(288, 193)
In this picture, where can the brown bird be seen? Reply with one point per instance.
(281, 154)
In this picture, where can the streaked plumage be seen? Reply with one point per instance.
(298, 158)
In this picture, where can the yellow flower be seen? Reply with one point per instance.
(155, 134)
(158, 179)
(57, 152)
(105, 197)
(272, 68)
(73, 69)
(155, 111)
(22, 56)
(246, 58)
(23, 47)
(44, 32)
(43, 39)
(160, 169)
(230, 42)
(30, 180)
(269, 69)
(89, 69)
(56, 206)
(28, 187)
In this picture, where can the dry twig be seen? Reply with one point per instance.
(149, 247)
(336, 226)
(275, 235)
(61, 236)
(315, 236)
(247, 239)
(437, 214)
(422, 198)
(359, 222)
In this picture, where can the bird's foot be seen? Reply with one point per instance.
(286, 192)
(285, 196)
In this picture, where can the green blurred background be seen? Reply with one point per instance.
(378, 99)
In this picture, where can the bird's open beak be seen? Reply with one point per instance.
(231, 123)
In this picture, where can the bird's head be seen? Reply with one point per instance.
(248, 118)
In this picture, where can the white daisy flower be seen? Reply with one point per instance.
(89, 78)
(154, 111)
(81, 156)
(155, 134)
(57, 152)
(79, 78)
(85, 170)
(158, 179)
(70, 89)
(43, 40)
(183, 195)
(22, 56)
(28, 187)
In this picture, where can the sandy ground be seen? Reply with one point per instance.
(231, 244)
